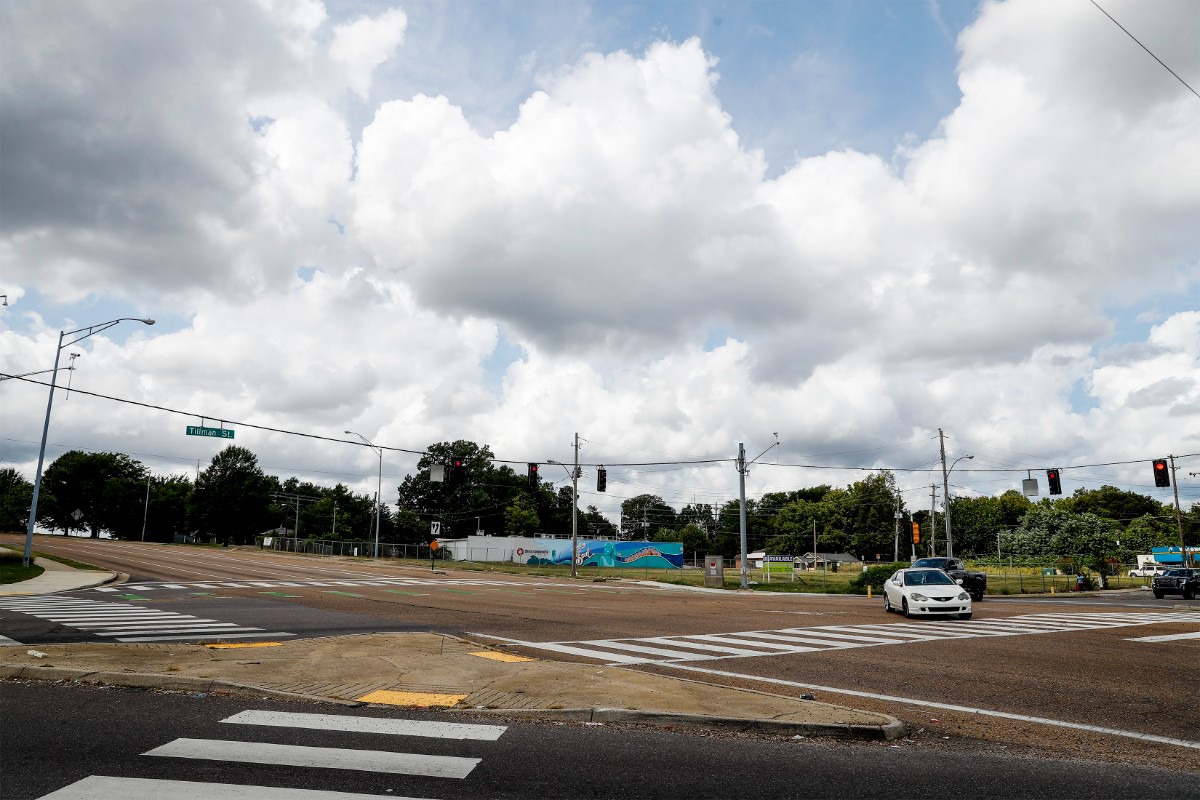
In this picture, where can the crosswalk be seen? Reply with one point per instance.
(827, 638)
(152, 586)
(123, 622)
(287, 756)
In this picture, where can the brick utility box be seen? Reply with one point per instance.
(714, 572)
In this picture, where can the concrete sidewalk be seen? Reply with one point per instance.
(429, 670)
(57, 578)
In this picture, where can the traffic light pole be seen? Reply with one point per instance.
(1183, 559)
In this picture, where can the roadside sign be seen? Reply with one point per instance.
(435, 529)
(434, 545)
(216, 433)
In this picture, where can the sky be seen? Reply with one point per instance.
(822, 229)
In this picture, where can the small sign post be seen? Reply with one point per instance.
(433, 548)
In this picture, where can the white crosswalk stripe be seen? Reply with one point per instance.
(129, 623)
(100, 787)
(743, 644)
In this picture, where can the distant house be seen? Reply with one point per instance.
(831, 561)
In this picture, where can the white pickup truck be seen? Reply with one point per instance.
(1147, 570)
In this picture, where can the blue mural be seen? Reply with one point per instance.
(595, 553)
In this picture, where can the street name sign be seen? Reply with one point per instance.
(216, 433)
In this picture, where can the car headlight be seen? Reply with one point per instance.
(920, 598)
(964, 596)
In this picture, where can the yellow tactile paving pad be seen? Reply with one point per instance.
(412, 698)
(506, 657)
(243, 644)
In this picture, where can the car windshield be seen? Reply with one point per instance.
(927, 577)
(1177, 573)
(933, 563)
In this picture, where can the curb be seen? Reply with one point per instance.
(154, 680)
(662, 719)
(668, 719)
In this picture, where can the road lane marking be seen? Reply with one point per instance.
(667, 649)
(320, 757)
(1147, 737)
(197, 637)
(351, 724)
(100, 787)
(1169, 638)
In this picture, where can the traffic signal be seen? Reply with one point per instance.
(1052, 476)
(601, 479)
(533, 476)
(458, 471)
(916, 529)
(1161, 476)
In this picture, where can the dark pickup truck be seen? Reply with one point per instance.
(974, 582)
(1184, 582)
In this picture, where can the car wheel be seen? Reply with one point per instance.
(887, 603)
(1189, 594)
(978, 598)
(966, 615)
(1158, 595)
(904, 607)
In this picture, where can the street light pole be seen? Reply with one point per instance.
(378, 486)
(91, 330)
(946, 500)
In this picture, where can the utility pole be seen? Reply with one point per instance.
(741, 468)
(933, 519)
(946, 494)
(896, 544)
(575, 512)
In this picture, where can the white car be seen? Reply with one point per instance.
(915, 592)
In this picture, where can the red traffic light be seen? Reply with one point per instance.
(1161, 477)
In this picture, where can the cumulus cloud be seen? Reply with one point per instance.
(666, 293)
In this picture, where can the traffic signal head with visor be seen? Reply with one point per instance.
(1161, 476)
(1053, 477)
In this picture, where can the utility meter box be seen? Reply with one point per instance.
(714, 572)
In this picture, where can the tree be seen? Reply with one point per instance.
(167, 513)
(643, 516)
(596, 524)
(16, 495)
(1116, 504)
(1051, 530)
(520, 518)
(695, 540)
(97, 485)
(232, 498)
(485, 492)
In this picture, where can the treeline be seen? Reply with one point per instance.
(233, 500)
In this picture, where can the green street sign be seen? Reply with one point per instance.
(217, 433)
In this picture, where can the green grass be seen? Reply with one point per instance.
(11, 570)
(60, 559)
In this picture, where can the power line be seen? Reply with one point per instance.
(1147, 49)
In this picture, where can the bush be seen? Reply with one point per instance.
(875, 576)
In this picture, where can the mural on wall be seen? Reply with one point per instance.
(595, 553)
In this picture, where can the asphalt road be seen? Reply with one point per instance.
(91, 740)
(1054, 685)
